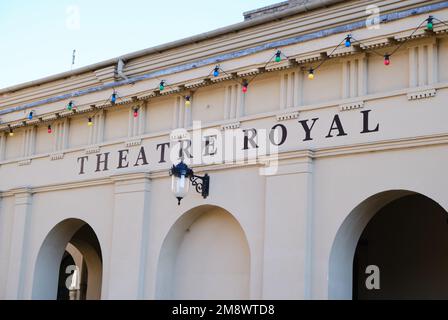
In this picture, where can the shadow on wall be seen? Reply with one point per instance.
(205, 255)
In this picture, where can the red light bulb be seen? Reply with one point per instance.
(386, 60)
(135, 113)
(49, 129)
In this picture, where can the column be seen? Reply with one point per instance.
(233, 100)
(433, 68)
(24, 142)
(298, 85)
(92, 132)
(239, 102)
(362, 76)
(2, 145)
(142, 119)
(135, 121)
(282, 91)
(288, 225)
(353, 78)
(100, 128)
(227, 102)
(413, 67)
(291, 92)
(65, 133)
(177, 114)
(129, 236)
(19, 234)
(422, 66)
(345, 79)
(130, 123)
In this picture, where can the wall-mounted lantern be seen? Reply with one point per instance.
(181, 175)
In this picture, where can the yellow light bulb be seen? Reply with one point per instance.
(11, 134)
(311, 76)
(187, 103)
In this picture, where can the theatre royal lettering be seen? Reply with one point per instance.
(243, 139)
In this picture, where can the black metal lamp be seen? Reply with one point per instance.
(180, 174)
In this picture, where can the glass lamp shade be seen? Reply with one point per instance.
(180, 186)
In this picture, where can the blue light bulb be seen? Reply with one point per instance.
(216, 72)
(30, 115)
(113, 98)
(348, 41)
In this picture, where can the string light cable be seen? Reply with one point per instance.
(277, 56)
(349, 40)
(113, 98)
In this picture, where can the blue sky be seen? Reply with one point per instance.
(37, 37)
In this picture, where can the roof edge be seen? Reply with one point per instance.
(178, 43)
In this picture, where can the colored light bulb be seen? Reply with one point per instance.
(244, 88)
(113, 98)
(278, 56)
(311, 74)
(135, 113)
(162, 85)
(11, 133)
(90, 123)
(70, 106)
(49, 129)
(430, 23)
(187, 101)
(30, 115)
(216, 71)
(386, 60)
(348, 41)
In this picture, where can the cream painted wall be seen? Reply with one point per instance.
(160, 114)
(14, 145)
(290, 220)
(323, 87)
(382, 78)
(116, 124)
(208, 104)
(79, 133)
(208, 258)
(44, 141)
(263, 95)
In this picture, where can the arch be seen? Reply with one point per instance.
(80, 236)
(340, 277)
(205, 254)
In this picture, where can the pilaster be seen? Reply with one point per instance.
(288, 225)
(19, 236)
(129, 236)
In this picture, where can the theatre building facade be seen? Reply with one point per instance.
(313, 137)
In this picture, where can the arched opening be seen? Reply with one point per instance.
(392, 246)
(205, 255)
(69, 263)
